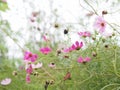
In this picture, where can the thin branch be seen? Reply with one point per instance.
(13, 40)
(115, 84)
(91, 7)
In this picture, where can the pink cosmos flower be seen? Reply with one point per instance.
(6, 81)
(68, 50)
(52, 65)
(29, 69)
(77, 45)
(30, 56)
(28, 78)
(100, 24)
(38, 65)
(45, 50)
(83, 60)
(84, 34)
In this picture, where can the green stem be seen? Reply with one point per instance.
(91, 7)
(48, 73)
(115, 84)
(114, 63)
(13, 40)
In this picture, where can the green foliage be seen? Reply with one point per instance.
(101, 73)
(3, 6)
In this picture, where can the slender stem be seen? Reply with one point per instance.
(83, 6)
(115, 84)
(113, 27)
(13, 40)
(91, 7)
(84, 80)
(114, 63)
(48, 73)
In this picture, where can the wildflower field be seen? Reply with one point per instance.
(52, 54)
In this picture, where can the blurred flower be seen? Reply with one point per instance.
(84, 34)
(45, 50)
(66, 50)
(83, 60)
(34, 14)
(58, 52)
(6, 81)
(21, 67)
(29, 69)
(4, 1)
(38, 65)
(52, 65)
(28, 78)
(65, 31)
(56, 25)
(30, 56)
(77, 45)
(104, 12)
(100, 24)
(67, 76)
(45, 38)
(14, 73)
(89, 14)
(36, 74)
(94, 54)
(32, 19)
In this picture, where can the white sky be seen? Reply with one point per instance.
(70, 10)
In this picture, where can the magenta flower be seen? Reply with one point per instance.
(68, 50)
(100, 24)
(84, 34)
(45, 50)
(77, 45)
(6, 81)
(29, 69)
(38, 65)
(30, 56)
(83, 60)
(28, 78)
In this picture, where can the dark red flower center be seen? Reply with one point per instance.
(102, 24)
(30, 55)
(53, 63)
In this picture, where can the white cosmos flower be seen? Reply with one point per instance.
(6, 81)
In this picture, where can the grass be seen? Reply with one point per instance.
(101, 73)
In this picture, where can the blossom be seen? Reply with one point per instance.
(68, 49)
(45, 50)
(29, 69)
(84, 34)
(45, 38)
(6, 81)
(83, 60)
(67, 76)
(52, 65)
(100, 24)
(38, 65)
(28, 78)
(30, 56)
(77, 45)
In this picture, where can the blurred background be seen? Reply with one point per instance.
(25, 22)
